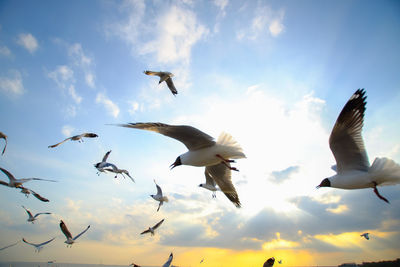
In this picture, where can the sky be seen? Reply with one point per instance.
(273, 74)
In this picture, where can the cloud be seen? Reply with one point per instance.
(280, 176)
(67, 130)
(221, 4)
(81, 60)
(72, 93)
(28, 41)
(4, 51)
(62, 75)
(111, 107)
(12, 85)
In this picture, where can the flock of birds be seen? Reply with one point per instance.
(352, 168)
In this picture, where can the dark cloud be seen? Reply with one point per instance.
(280, 176)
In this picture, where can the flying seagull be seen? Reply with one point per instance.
(31, 217)
(134, 265)
(366, 235)
(28, 191)
(280, 261)
(104, 164)
(203, 152)
(70, 240)
(117, 171)
(270, 262)
(159, 197)
(2, 135)
(347, 145)
(38, 247)
(76, 138)
(210, 183)
(202, 260)
(151, 229)
(17, 183)
(3, 248)
(168, 262)
(164, 76)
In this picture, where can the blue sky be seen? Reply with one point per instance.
(273, 74)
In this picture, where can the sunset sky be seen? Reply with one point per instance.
(273, 74)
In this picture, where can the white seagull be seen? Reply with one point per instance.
(151, 229)
(169, 261)
(203, 152)
(159, 197)
(164, 76)
(31, 217)
(70, 240)
(3, 248)
(76, 138)
(210, 182)
(38, 247)
(347, 145)
(28, 191)
(2, 135)
(117, 171)
(17, 183)
(366, 235)
(100, 166)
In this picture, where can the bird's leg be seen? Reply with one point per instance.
(226, 162)
(214, 195)
(224, 159)
(377, 193)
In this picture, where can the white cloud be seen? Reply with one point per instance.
(89, 79)
(276, 27)
(4, 51)
(111, 107)
(134, 107)
(62, 75)
(73, 94)
(81, 60)
(28, 41)
(221, 4)
(67, 130)
(12, 85)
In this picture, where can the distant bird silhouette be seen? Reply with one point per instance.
(352, 165)
(152, 229)
(134, 265)
(2, 135)
(70, 240)
(280, 261)
(32, 218)
(270, 262)
(366, 235)
(159, 197)
(76, 138)
(169, 261)
(164, 76)
(38, 247)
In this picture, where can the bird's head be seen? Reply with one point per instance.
(200, 185)
(96, 165)
(92, 135)
(152, 196)
(325, 183)
(176, 163)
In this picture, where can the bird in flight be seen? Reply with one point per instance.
(76, 138)
(169, 261)
(28, 191)
(117, 171)
(100, 166)
(365, 235)
(152, 229)
(164, 76)
(32, 218)
(38, 247)
(2, 135)
(159, 196)
(353, 170)
(216, 157)
(17, 183)
(210, 183)
(70, 240)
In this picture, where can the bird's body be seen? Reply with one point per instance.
(353, 170)
(3, 136)
(365, 235)
(32, 218)
(76, 138)
(203, 151)
(152, 229)
(38, 247)
(117, 171)
(103, 164)
(164, 76)
(210, 184)
(17, 183)
(159, 196)
(70, 240)
(169, 261)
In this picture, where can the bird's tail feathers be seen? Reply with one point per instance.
(165, 199)
(387, 169)
(227, 140)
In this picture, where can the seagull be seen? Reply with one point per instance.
(159, 197)
(164, 76)
(28, 191)
(70, 240)
(168, 262)
(115, 169)
(9, 245)
(280, 261)
(151, 229)
(76, 138)
(202, 260)
(38, 247)
(2, 135)
(347, 145)
(203, 152)
(270, 262)
(33, 218)
(134, 265)
(104, 164)
(210, 183)
(366, 235)
(17, 183)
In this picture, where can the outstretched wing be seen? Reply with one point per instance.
(84, 231)
(158, 224)
(191, 137)
(23, 239)
(8, 174)
(153, 73)
(145, 232)
(222, 176)
(209, 179)
(90, 135)
(2, 135)
(169, 261)
(9, 246)
(44, 243)
(106, 156)
(38, 196)
(65, 230)
(27, 211)
(60, 142)
(171, 86)
(37, 214)
(159, 191)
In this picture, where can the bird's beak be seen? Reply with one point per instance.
(173, 165)
(318, 186)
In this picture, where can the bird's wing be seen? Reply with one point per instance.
(60, 142)
(158, 224)
(28, 211)
(3, 183)
(149, 72)
(145, 232)
(171, 86)
(23, 239)
(90, 135)
(159, 191)
(76, 237)
(9, 246)
(346, 141)
(222, 176)
(191, 137)
(38, 196)
(159, 205)
(168, 263)
(44, 243)
(209, 179)
(2, 135)
(106, 156)
(8, 174)
(64, 229)
(37, 214)
(127, 173)
(23, 180)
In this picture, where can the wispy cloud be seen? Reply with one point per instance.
(28, 41)
(280, 176)
(5, 51)
(81, 60)
(67, 130)
(72, 93)
(62, 75)
(110, 106)
(221, 4)
(12, 85)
